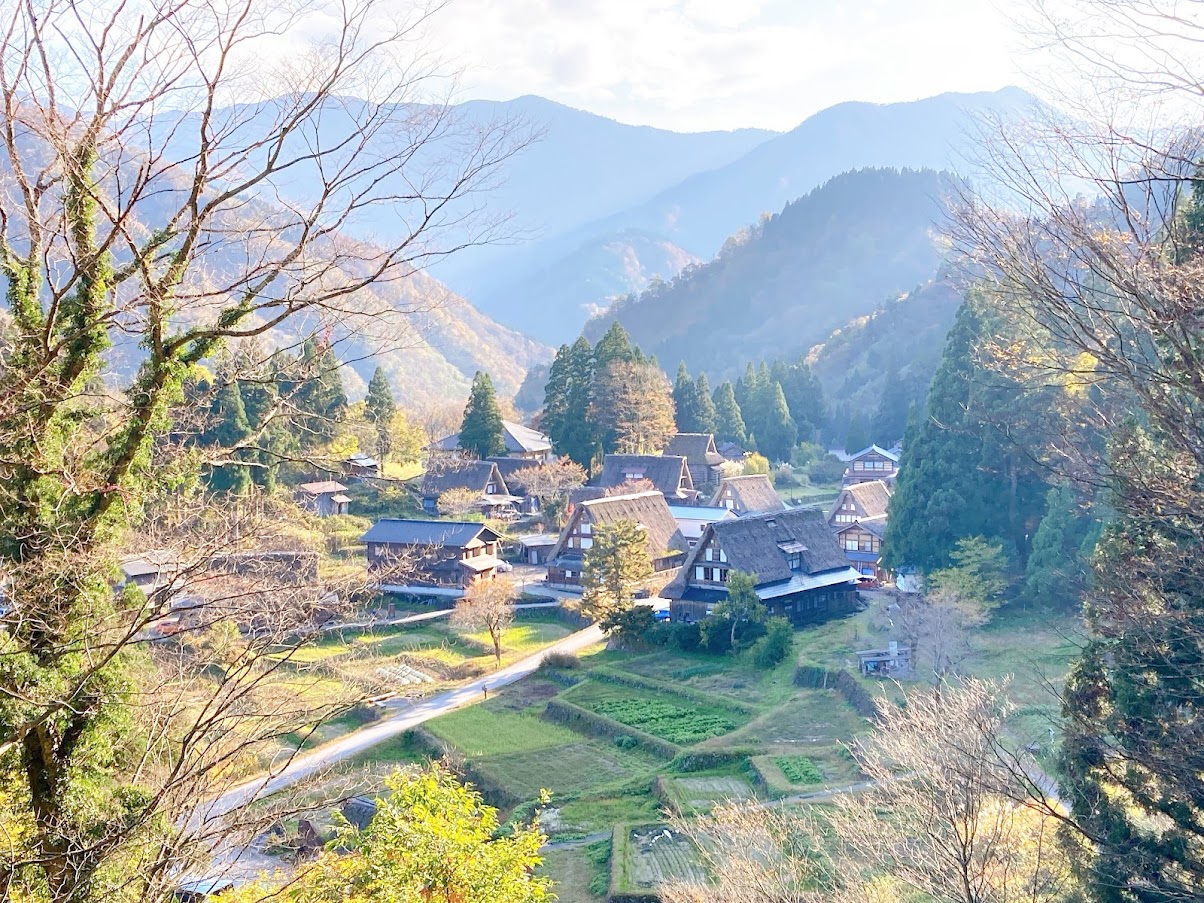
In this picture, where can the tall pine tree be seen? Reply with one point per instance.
(776, 433)
(687, 402)
(578, 436)
(229, 428)
(379, 408)
(318, 396)
(707, 420)
(959, 477)
(481, 431)
(729, 422)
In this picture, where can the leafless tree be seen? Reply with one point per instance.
(950, 811)
(166, 188)
(459, 501)
(936, 626)
(488, 605)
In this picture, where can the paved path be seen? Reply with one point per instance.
(407, 714)
(374, 624)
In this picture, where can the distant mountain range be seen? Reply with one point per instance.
(548, 287)
(831, 256)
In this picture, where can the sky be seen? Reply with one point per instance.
(696, 65)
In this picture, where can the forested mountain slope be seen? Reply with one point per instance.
(786, 284)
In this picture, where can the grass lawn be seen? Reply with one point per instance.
(479, 731)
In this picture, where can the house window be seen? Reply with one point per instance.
(723, 575)
(698, 573)
(722, 556)
(586, 542)
(708, 574)
(569, 575)
(795, 560)
(585, 529)
(850, 545)
(858, 465)
(634, 475)
(707, 554)
(491, 488)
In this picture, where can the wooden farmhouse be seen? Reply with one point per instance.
(747, 495)
(432, 554)
(858, 518)
(666, 546)
(480, 477)
(323, 498)
(702, 458)
(873, 463)
(800, 572)
(669, 474)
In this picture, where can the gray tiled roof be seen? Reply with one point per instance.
(518, 438)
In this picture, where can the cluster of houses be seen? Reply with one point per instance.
(699, 524)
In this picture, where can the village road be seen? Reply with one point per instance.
(405, 714)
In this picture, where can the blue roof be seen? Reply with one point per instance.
(426, 532)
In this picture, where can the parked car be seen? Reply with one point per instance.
(504, 567)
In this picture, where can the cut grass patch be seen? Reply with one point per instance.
(701, 793)
(479, 732)
(574, 770)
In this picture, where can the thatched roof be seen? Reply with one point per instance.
(456, 474)
(761, 545)
(752, 494)
(871, 498)
(447, 534)
(697, 448)
(648, 509)
(668, 473)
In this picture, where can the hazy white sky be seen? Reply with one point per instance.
(717, 64)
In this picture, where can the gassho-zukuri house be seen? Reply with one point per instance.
(432, 557)
(802, 574)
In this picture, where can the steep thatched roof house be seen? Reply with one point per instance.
(702, 458)
(753, 494)
(447, 556)
(858, 517)
(669, 474)
(666, 546)
(860, 501)
(801, 573)
(481, 477)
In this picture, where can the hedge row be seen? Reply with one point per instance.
(844, 683)
(705, 759)
(586, 722)
(635, 681)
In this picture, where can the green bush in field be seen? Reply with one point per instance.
(625, 742)
(663, 719)
(775, 645)
(598, 856)
(799, 770)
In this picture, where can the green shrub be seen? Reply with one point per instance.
(598, 856)
(799, 770)
(684, 637)
(715, 634)
(775, 645)
(623, 741)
